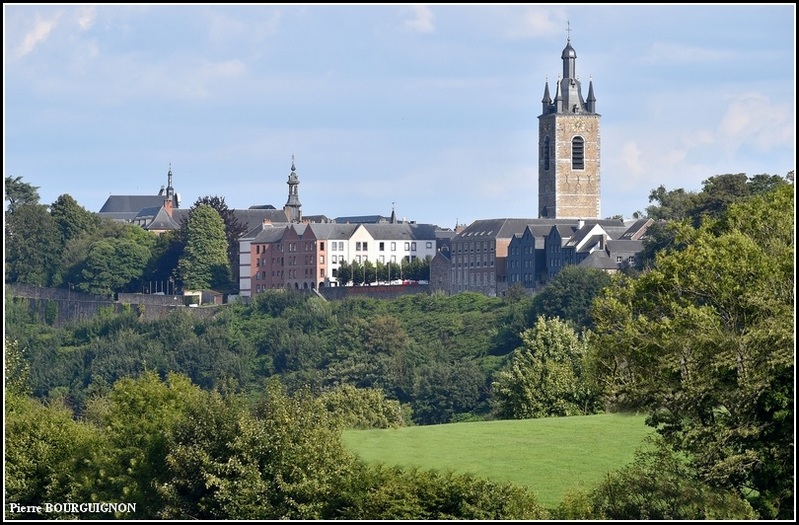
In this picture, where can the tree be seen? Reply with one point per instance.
(660, 485)
(234, 229)
(32, 244)
(19, 193)
(117, 264)
(569, 295)
(704, 341)
(545, 376)
(72, 219)
(204, 263)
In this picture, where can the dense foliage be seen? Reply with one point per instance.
(180, 452)
(705, 342)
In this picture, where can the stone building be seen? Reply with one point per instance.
(568, 145)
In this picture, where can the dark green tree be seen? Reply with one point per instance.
(234, 229)
(72, 219)
(569, 295)
(117, 264)
(18, 193)
(660, 485)
(205, 263)
(32, 245)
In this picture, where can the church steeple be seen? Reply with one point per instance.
(568, 93)
(292, 207)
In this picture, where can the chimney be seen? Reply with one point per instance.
(580, 223)
(168, 206)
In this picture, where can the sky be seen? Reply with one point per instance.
(430, 110)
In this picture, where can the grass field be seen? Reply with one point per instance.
(550, 456)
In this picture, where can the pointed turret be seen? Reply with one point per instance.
(591, 102)
(292, 207)
(546, 102)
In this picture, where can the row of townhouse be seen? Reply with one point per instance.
(307, 256)
(490, 255)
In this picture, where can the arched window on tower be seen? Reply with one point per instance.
(546, 154)
(578, 153)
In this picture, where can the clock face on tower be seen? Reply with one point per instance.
(579, 125)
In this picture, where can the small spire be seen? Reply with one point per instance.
(292, 164)
(568, 32)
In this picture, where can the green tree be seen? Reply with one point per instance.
(72, 219)
(32, 245)
(49, 457)
(569, 295)
(205, 263)
(704, 340)
(18, 193)
(670, 204)
(660, 485)
(234, 229)
(545, 376)
(363, 407)
(118, 264)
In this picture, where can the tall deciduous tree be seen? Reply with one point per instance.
(704, 340)
(545, 376)
(205, 262)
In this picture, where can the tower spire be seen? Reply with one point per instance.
(292, 207)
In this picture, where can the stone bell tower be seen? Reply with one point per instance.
(568, 146)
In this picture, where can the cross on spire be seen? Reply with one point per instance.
(568, 32)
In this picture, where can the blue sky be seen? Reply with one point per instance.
(431, 109)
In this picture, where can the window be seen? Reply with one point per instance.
(545, 153)
(618, 259)
(357, 246)
(393, 246)
(429, 245)
(413, 246)
(407, 246)
(382, 246)
(322, 246)
(364, 246)
(321, 259)
(578, 153)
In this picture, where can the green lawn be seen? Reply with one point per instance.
(550, 456)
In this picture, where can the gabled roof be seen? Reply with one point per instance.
(601, 260)
(636, 230)
(590, 243)
(127, 204)
(161, 221)
(332, 230)
(269, 234)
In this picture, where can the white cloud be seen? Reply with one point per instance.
(753, 118)
(38, 34)
(537, 22)
(631, 158)
(86, 17)
(421, 19)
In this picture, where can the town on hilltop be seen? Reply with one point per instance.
(284, 248)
